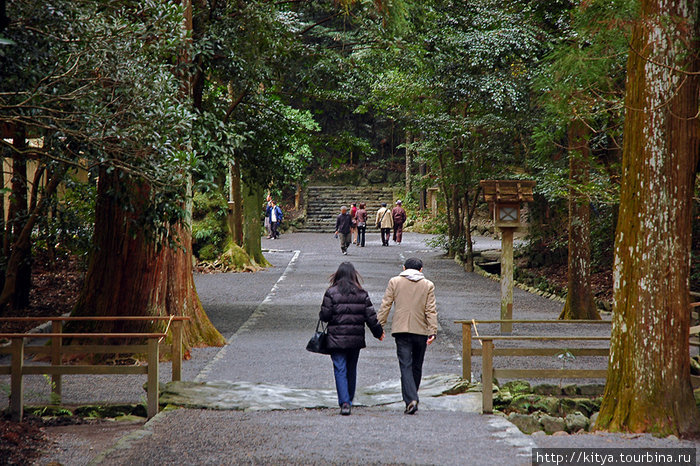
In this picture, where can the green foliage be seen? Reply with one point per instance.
(71, 223)
(99, 82)
(209, 229)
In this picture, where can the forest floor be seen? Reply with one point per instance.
(55, 289)
(557, 277)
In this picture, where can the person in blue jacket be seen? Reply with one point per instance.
(274, 213)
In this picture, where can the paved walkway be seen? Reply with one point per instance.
(267, 318)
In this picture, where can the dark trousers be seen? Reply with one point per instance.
(410, 348)
(361, 235)
(345, 371)
(345, 240)
(273, 229)
(398, 232)
(386, 234)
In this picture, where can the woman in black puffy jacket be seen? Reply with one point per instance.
(347, 308)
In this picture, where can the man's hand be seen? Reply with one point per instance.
(431, 339)
(382, 337)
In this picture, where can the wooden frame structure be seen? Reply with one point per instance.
(488, 351)
(468, 351)
(17, 369)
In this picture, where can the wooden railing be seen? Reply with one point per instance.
(56, 350)
(488, 351)
(469, 325)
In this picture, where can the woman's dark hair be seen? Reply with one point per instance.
(346, 279)
(362, 205)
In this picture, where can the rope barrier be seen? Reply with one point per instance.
(167, 327)
(476, 330)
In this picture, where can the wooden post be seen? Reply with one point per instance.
(16, 388)
(176, 353)
(152, 392)
(487, 377)
(507, 278)
(56, 360)
(467, 351)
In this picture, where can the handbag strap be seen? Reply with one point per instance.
(321, 324)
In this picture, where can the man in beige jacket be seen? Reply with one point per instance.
(414, 325)
(385, 223)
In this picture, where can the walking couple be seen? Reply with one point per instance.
(347, 308)
(351, 227)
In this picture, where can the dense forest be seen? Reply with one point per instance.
(124, 120)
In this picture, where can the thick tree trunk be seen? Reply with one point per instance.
(648, 386)
(252, 228)
(579, 299)
(236, 221)
(130, 275)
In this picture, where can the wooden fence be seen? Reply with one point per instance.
(469, 325)
(488, 351)
(56, 350)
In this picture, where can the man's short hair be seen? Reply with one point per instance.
(342, 208)
(383, 204)
(413, 263)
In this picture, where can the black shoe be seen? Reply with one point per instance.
(411, 408)
(345, 409)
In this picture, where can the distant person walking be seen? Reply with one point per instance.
(384, 222)
(343, 224)
(414, 325)
(268, 202)
(361, 218)
(399, 216)
(275, 214)
(353, 225)
(347, 308)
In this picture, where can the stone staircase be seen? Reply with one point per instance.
(323, 204)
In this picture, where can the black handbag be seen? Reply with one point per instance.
(317, 343)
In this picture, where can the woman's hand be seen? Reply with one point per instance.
(431, 339)
(382, 337)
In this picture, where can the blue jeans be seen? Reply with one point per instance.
(345, 370)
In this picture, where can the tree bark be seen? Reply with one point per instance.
(468, 216)
(131, 275)
(409, 162)
(648, 386)
(579, 299)
(18, 274)
(21, 246)
(253, 197)
(236, 223)
(422, 169)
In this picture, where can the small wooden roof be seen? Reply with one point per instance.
(507, 190)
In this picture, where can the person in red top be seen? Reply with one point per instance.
(353, 225)
(399, 216)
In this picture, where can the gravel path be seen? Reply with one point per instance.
(267, 317)
(321, 437)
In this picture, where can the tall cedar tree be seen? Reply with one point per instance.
(129, 273)
(648, 386)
